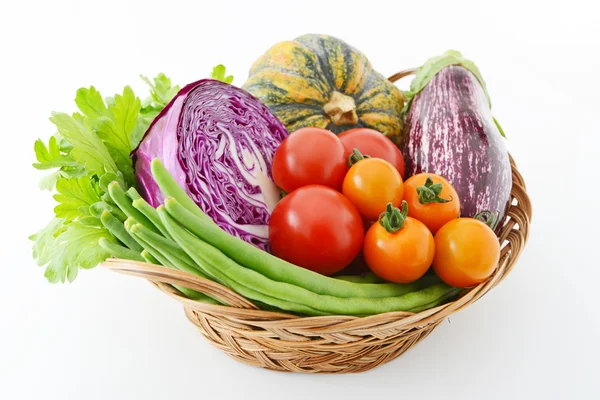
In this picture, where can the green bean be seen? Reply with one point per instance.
(170, 187)
(155, 256)
(150, 258)
(124, 203)
(162, 251)
(168, 245)
(98, 208)
(245, 290)
(116, 250)
(118, 230)
(163, 255)
(367, 278)
(133, 193)
(278, 269)
(150, 213)
(438, 298)
(209, 257)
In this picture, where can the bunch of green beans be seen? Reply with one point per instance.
(181, 236)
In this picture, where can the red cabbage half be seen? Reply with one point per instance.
(218, 142)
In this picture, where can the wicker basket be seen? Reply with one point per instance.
(330, 344)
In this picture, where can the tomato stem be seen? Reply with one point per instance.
(355, 157)
(430, 192)
(392, 219)
(488, 218)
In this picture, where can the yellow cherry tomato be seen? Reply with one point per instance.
(467, 252)
(431, 199)
(372, 183)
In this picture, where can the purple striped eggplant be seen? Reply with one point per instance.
(450, 131)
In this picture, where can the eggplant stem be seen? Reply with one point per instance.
(488, 218)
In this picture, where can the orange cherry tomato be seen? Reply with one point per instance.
(370, 184)
(431, 199)
(402, 256)
(467, 252)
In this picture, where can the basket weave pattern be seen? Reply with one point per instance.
(330, 344)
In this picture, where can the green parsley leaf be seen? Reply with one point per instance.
(77, 247)
(218, 73)
(51, 156)
(47, 182)
(43, 241)
(88, 149)
(116, 132)
(161, 92)
(91, 104)
(74, 196)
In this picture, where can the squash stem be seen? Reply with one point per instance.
(341, 109)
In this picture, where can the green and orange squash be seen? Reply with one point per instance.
(320, 81)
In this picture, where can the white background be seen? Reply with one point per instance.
(108, 336)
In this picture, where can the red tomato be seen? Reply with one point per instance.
(317, 228)
(374, 144)
(310, 156)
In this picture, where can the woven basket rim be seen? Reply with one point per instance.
(513, 237)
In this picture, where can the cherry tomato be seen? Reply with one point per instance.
(310, 156)
(402, 256)
(370, 184)
(431, 199)
(374, 144)
(467, 252)
(317, 228)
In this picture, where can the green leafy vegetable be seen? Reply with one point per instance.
(44, 240)
(90, 102)
(51, 157)
(218, 73)
(75, 196)
(76, 247)
(90, 150)
(161, 91)
(116, 131)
